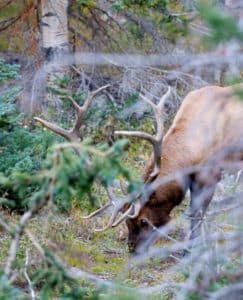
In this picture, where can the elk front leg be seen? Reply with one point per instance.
(201, 196)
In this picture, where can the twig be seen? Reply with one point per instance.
(20, 227)
(32, 292)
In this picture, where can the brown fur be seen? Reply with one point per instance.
(208, 120)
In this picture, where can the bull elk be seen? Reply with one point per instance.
(205, 132)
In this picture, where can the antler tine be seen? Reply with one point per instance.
(110, 194)
(97, 212)
(89, 99)
(156, 140)
(112, 218)
(158, 111)
(138, 134)
(164, 97)
(127, 214)
(123, 217)
(136, 207)
(72, 135)
(56, 129)
(81, 110)
(112, 200)
(100, 210)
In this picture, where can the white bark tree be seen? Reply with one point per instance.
(54, 26)
(54, 30)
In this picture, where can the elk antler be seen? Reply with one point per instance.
(134, 208)
(100, 210)
(156, 140)
(131, 212)
(118, 204)
(73, 134)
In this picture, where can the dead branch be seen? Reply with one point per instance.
(30, 284)
(19, 230)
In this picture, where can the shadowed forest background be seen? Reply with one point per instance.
(71, 73)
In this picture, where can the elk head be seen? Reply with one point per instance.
(155, 204)
(143, 229)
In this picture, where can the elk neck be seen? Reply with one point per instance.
(175, 157)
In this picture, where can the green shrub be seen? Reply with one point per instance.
(21, 149)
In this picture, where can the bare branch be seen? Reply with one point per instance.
(30, 284)
(20, 227)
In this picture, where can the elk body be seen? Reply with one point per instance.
(207, 132)
(209, 120)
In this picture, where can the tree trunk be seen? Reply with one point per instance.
(54, 29)
(54, 26)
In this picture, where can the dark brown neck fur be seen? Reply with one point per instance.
(171, 194)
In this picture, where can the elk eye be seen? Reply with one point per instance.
(143, 222)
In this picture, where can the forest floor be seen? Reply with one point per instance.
(73, 239)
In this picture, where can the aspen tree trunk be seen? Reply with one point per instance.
(54, 29)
